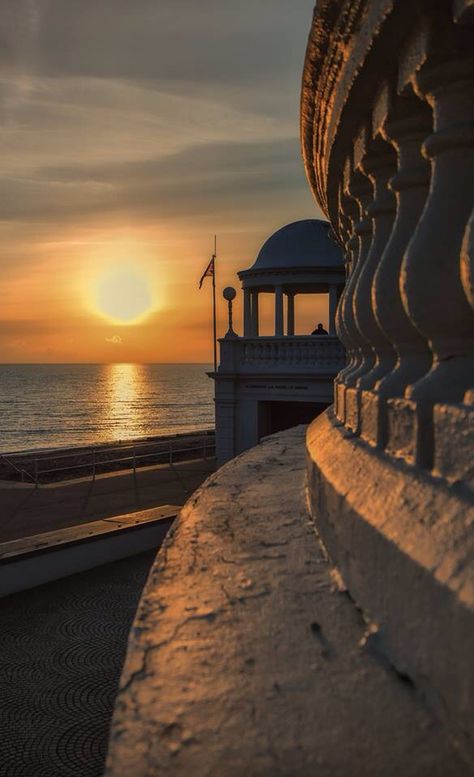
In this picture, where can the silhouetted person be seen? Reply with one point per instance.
(320, 330)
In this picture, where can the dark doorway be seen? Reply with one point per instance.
(276, 416)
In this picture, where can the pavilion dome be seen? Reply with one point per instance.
(305, 243)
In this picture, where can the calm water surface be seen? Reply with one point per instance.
(53, 405)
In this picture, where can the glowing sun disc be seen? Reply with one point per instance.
(124, 296)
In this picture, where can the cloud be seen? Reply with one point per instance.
(146, 123)
(223, 177)
(218, 41)
(115, 339)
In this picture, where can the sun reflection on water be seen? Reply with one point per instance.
(125, 413)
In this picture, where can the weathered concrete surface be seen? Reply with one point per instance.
(246, 659)
(404, 544)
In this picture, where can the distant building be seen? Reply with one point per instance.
(265, 384)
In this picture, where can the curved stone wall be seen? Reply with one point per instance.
(388, 143)
(246, 657)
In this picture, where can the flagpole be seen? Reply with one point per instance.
(214, 304)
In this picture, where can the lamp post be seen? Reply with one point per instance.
(229, 294)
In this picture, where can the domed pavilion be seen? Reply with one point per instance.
(268, 383)
(300, 258)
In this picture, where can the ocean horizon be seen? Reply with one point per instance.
(63, 405)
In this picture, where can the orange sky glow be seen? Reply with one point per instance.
(116, 179)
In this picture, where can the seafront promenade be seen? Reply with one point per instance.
(62, 648)
(26, 510)
(63, 643)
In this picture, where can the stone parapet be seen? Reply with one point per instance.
(388, 142)
(247, 658)
(402, 541)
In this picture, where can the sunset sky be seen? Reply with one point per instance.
(131, 131)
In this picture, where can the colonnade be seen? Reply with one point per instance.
(251, 310)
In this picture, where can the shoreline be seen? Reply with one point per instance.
(106, 443)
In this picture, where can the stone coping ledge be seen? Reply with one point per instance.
(35, 544)
(403, 543)
(32, 561)
(246, 659)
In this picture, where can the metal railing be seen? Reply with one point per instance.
(94, 459)
(24, 474)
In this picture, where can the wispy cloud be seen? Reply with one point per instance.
(157, 119)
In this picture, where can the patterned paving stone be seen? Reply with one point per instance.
(62, 648)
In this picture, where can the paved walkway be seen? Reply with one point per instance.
(247, 660)
(25, 510)
(61, 651)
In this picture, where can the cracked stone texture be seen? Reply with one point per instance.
(246, 658)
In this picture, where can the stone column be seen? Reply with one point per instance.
(333, 300)
(254, 327)
(278, 311)
(247, 314)
(291, 314)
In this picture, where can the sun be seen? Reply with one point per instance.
(124, 295)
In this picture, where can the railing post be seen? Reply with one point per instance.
(134, 460)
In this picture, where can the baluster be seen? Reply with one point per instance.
(359, 192)
(467, 278)
(467, 261)
(361, 188)
(346, 233)
(348, 215)
(405, 122)
(379, 165)
(431, 284)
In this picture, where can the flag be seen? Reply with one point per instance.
(208, 272)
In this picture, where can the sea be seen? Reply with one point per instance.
(64, 405)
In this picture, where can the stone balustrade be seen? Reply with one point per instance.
(323, 354)
(388, 143)
(244, 659)
(388, 140)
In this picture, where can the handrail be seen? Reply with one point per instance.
(64, 452)
(21, 472)
(165, 449)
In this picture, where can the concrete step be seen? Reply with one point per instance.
(31, 561)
